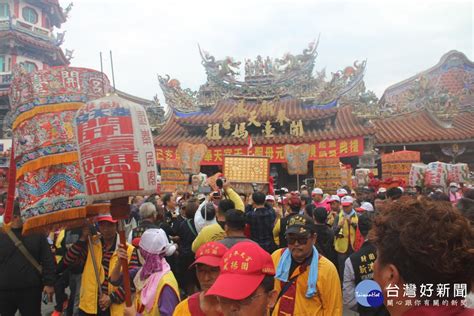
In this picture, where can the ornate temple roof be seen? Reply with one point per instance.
(449, 82)
(265, 79)
(423, 127)
(55, 55)
(318, 124)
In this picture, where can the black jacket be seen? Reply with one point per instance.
(16, 272)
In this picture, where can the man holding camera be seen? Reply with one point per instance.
(216, 231)
(345, 226)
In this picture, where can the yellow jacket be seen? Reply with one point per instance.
(327, 301)
(234, 197)
(209, 233)
(167, 279)
(89, 287)
(341, 244)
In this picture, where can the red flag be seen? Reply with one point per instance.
(250, 144)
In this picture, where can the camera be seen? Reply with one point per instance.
(220, 182)
(254, 187)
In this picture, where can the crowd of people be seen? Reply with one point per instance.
(229, 253)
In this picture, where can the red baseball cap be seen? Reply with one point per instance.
(243, 268)
(105, 218)
(210, 254)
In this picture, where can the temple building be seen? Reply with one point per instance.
(27, 38)
(287, 101)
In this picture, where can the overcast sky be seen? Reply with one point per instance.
(150, 37)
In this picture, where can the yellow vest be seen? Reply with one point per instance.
(327, 301)
(167, 279)
(89, 288)
(341, 244)
(57, 243)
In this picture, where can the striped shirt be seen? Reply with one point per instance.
(77, 255)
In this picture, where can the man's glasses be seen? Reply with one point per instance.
(300, 240)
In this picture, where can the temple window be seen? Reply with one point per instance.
(4, 10)
(3, 63)
(29, 66)
(30, 15)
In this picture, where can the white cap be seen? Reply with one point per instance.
(367, 206)
(155, 241)
(317, 191)
(341, 192)
(270, 198)
(403, 190)
(381, 190)
(285, 190)
(454, 184)
(347, 200)
(334, 198)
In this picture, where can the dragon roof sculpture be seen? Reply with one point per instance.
(266, 78)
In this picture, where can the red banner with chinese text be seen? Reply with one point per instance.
(318, 150)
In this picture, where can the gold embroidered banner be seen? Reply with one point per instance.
(191, 156)
(297, 157)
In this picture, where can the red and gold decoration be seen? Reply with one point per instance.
(49, 183)
(247, 169)
(276, 153)
(327, 173)
(191, 156)
(172, 178)
(397, 165)
(297, 157)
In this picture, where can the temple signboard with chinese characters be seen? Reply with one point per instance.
(276, 153)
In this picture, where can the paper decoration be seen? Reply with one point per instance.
(297, 157)
(327, 173)
(362, 177)
(458, 173)
(397, 165)
(247, 169)
(172, 178)
(191, 156)
(436, 174)
(417, 175)
(50, 188)
(116, 151)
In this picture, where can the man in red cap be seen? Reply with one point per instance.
(245, 285)
(208, 258)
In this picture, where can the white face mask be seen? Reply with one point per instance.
(453, 189)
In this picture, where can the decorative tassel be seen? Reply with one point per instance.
(11, 187)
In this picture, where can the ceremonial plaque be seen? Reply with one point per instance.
(247, 169)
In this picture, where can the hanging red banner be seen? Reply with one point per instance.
(317, 150)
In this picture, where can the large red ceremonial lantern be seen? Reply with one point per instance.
(44, 163)
(116, 151)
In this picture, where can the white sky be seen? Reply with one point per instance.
(150, 37)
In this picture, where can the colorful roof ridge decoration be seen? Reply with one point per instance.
(267, 79)
(422, 126)
(442, 89)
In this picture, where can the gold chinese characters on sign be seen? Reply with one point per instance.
(244, 119)
(246, 169)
